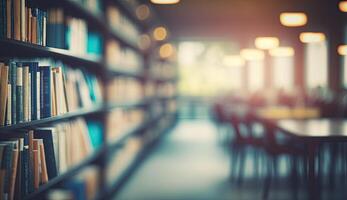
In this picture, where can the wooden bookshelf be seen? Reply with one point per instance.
(97, 66)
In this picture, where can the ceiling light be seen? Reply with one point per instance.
(342, 50)
(233, 61)
(282, 52)
(293, 19)
(142, 12)
(267, 42)
(166, 50)
(252, 54)
(312, 37)
(165, 1)
(343, 6)
(160, 33)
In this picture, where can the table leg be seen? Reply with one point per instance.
(312, 181)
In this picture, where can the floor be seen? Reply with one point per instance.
(191, 164)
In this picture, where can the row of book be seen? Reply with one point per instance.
(31, 91)
(71, 33)
(124, 90)
(120, 121)
(21, 20)
(163, 70)
(32, 158)
(165, 90)
(117, 56)
(83, 186)
(121, 23)
(122, 159)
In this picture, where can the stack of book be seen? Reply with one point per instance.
(121, 121)
(149, 89)
(124, 89)
(166, 90)
(117, 56)
(163, 70)
(122, 159)
(21, 20)
(120, 23)
(29, 91)
(32, 158)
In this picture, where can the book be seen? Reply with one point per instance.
(25, 85)
(45, 91)
(49, 137)
(17, 19)
(8, 18)
(19, 94)
(3, 92)
(13, 82)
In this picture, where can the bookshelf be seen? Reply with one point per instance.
(148, 116)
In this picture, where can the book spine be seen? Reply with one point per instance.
(34, 26)
(9, 105)
(7, 163)
(13, 173)
(19, 93)
(3, 93)
(44, 29)
(25, 85)
(22, 21)
(13, 71)
(8, 18)
(2, 20)
(29, 97)
(33, 94)
(46, 102)
(38, 93)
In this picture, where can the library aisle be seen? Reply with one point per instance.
(187, 164)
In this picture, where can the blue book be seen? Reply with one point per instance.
(94, 43)
(13, 82)
(33, 68)
(45, 93)
(95, 130)
(25, 171)
(2, 18)
(49, 140)
(19, 93)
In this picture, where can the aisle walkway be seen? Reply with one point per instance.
(188, 164)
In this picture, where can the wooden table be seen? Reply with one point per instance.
(313, 132)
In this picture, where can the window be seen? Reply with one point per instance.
(283, 72)
(316, 64)
(255, 75)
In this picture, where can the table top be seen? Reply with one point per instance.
(325, 129)
(277, 113)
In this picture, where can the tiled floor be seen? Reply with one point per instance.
(190, 164)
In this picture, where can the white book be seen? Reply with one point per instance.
(29, 98)
(38, 97)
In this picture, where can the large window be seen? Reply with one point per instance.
(316, 64)
(255, 75)
(283, 72)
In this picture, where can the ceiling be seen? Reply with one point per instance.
(243, 20)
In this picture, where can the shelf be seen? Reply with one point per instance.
(52, 120)
(56, 181)
(95, 21)
(127, 10)
(120, 71)
(18, 49)
(139, 157)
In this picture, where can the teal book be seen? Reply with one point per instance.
(19, 94)
(13, 79)
(95, 133)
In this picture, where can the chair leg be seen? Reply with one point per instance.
(268, 179)
(294, 177)
(242, 158)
